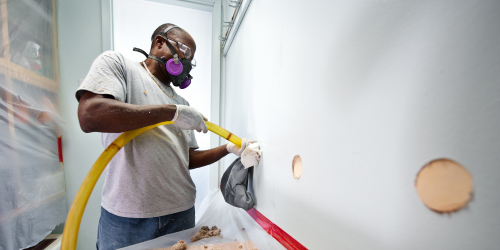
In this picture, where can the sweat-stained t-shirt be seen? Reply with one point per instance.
(149, 176)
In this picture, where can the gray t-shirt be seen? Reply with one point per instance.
(149, 177)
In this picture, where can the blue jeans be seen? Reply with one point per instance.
(116, 232)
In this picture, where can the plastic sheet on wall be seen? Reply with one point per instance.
(32, 185)
(235, 224)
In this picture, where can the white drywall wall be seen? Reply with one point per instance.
(131, 30)
(79, 40)
(368, 92)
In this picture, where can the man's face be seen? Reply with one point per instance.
(160, 48)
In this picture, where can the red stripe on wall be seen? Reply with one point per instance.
(59, 148)
(272, 229)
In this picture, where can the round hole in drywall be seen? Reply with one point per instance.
(297, 166)
(444, 185)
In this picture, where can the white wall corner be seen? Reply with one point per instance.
(236, 22)
(215, 91)
(107, 24)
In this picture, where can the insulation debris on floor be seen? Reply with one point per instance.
(244, 245)
(206, 232)
(181, 245)
(238, 231)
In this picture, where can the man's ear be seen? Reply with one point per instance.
(158, 42)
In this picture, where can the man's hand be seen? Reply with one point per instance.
(188, 118)
(232, 148)
(251, 155)
(249, 152)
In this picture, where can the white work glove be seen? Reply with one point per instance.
(249, 152)
(188, 118)
(232, 148)
(251, 155)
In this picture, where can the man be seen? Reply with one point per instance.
(148, 191)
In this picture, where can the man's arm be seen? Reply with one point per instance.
(206, 157)
(99, 113)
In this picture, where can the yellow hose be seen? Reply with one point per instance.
(70, 233)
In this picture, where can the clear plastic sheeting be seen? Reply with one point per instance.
(235, 223)
(32, 185)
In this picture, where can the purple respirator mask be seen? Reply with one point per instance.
(177, 69)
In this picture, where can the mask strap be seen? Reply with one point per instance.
(170, 47)
(158, 59)
(172, 50)
(150, 56)
(140, 51)
(164, 32)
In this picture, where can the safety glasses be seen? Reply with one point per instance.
(182, 47)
